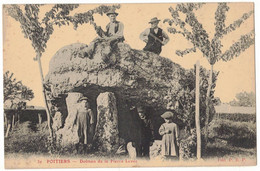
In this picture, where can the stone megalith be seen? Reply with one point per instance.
(106, 136)
(57, 120)
(133, 76)
(68, 135)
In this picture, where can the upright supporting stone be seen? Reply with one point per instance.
(107, 136)
(57, 121)
(69, 134)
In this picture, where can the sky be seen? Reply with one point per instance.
(235, 76)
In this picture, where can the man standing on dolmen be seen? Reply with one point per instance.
(154, 37)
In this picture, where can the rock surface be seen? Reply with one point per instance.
(127, 72)
(155, 150)
(57, 121)
(68, 135)
(130, 76)
(106, 136)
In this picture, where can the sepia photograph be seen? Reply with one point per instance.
(121, 85)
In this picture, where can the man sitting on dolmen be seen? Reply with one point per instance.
(113, 34)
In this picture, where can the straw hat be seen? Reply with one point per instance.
(112, 12)
(155, 19)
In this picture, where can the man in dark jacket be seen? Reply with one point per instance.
(143, 135)
(154, 37)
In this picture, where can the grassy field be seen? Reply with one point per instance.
(28, 138)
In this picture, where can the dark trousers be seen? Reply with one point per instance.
(155, 48)
(142, 150)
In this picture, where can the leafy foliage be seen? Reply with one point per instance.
(183, 99)
(244, 99)
(39, 31)
(241, 45)
(188, 146)
(211, 49)
(35, 30)
(15, 89)
(198, 36)
(82, 18)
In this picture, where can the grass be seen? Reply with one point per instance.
(29, 139)
(221, 149)
(231, 139)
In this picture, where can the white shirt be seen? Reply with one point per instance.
(144, 35)
(111, 31)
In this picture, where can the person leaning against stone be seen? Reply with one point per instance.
(114, 33)
(85, 122)
(154, 37)
(144, 134)
(170, 137)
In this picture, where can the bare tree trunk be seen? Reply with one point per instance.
(6, 122)
(39, 118)
(207, 106)
(44, 96)
(8, 129)
(197, 114)
(13, 121)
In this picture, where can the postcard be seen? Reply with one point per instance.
(129, 85)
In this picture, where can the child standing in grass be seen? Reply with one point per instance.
(170, 134)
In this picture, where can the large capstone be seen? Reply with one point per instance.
(136, 75)
(106, 135)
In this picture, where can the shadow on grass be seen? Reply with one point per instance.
(225, 150)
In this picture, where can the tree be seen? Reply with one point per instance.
(39, 31)
(198, 36)
(16, 94)
(244, 99)
(15, 89)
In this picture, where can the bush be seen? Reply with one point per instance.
(239, 134)
(188, 146)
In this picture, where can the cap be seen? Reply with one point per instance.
(167, 115)
(83, 98)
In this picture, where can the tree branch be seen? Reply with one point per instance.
(186, 51)
(200, 36)
(188, 7)
(220, 17)
(236, 24)
(81, 18)
(238, 47)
